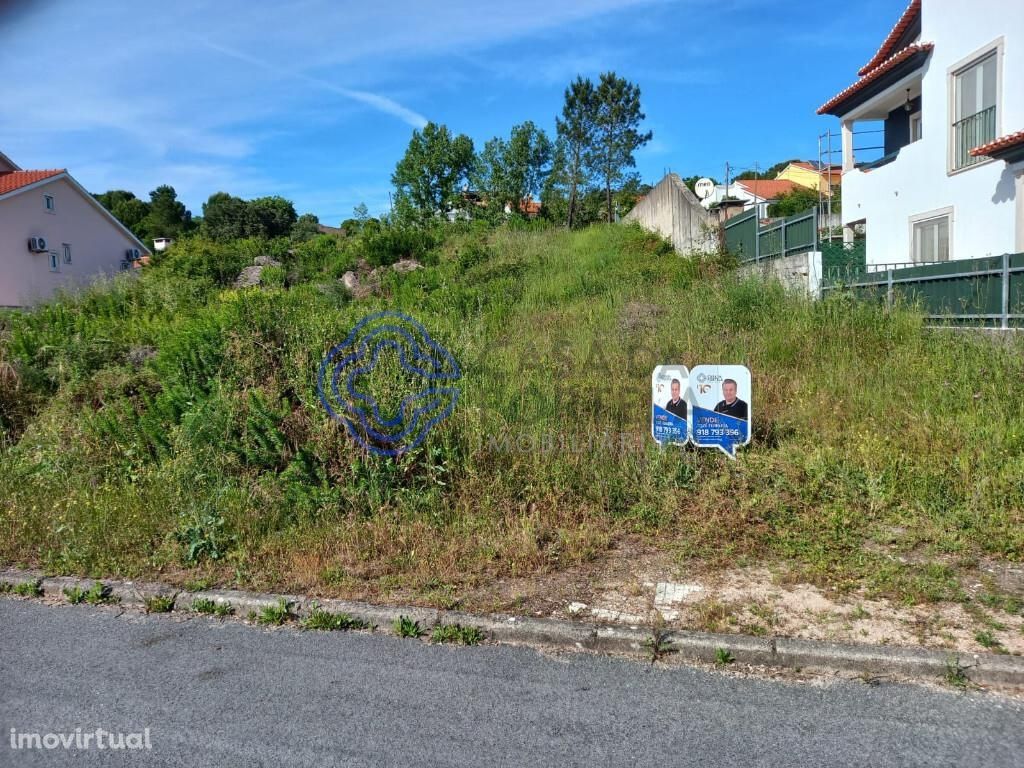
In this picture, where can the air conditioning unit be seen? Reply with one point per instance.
(37, 244)
(133, 254)
(125, 266)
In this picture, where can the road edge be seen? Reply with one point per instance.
(780, 652)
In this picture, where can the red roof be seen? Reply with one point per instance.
(874, 74)
(13, 180)
(1003, 142)
(529, 207)
(888, 46)
(767, 189)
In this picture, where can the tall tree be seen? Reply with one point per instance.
(511, 171)
(435, 165)
(126, 208)
(306, 227)
(225, 217)
(576, 129)
(167, 215)
(270, 217)
(616, 134)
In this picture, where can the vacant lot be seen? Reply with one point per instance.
(169, 427)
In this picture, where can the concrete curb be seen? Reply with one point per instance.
(781, 652)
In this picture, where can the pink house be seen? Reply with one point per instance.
(54, 234)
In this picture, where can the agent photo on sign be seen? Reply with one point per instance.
(676, 405)
(731, 405)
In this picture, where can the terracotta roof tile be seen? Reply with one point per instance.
(886, 49)
(12, 180)
(767, 189)
(1003, 142)
(874, 74)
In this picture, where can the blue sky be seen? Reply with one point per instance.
(315, 100)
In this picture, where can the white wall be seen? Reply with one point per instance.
(97, 244)
(983, 197)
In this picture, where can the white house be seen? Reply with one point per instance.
(948, 82)
(759, 192)
(54, 234)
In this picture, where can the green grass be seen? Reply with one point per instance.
(988, 640)
(212, 607)
(275, 615)
(23, 588)
(406, 627)
(886, 456)
(159, 603)
(97, 594)
(457, 633)
(321, 619)
(723, 657)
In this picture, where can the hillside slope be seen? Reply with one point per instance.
(170, 426)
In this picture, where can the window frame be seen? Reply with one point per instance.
(66, 248)
(923, 218)
(54, 261)
(49, 203)
(916, 117)
(996, 48)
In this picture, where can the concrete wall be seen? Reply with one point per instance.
(983, 197)
(799, 272)
(674, 212)
(97, 244)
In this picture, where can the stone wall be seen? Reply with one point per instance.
(799, 272)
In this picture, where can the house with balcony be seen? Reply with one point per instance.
(947, 85)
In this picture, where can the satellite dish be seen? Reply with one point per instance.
(703, 188)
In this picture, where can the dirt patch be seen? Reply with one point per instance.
(635, 586)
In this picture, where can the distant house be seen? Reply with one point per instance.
(54, 234)
(822, 178)
(752, 192)
(946, 83)
(528, 207)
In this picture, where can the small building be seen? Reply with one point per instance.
(946, 85)
(54, 234)
(752, 192)
(161, 244)
(822, 178)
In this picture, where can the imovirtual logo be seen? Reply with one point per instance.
(389, 383)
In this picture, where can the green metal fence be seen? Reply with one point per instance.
(749, 241)
(987, 292)
(741, 235)
(841, 259)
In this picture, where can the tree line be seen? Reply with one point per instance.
(225, 217)
(441, 175)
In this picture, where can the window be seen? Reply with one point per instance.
(54, 261)
(48, 203)
(67, 253)
(915, 127)
(974, 102)
(929, 234)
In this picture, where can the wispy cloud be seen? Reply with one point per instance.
(374, 100)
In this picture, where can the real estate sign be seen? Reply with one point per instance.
(708, 406)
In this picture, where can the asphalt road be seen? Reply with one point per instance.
(216, 693)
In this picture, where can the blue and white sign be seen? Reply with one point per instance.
(720, 413)
(669, 410)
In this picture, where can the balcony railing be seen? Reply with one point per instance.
(972, 132)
